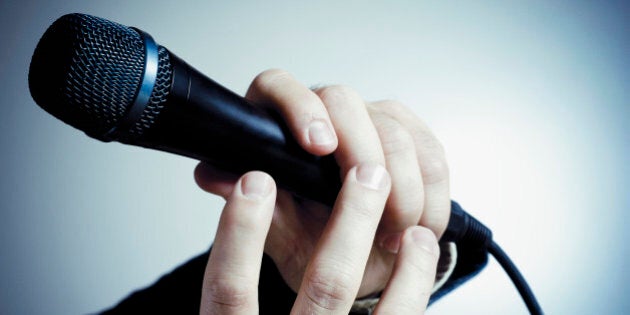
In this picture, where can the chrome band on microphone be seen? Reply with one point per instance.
(145, 89)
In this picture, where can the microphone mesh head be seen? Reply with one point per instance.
(86, 71)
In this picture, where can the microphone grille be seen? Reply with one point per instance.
(86, 71)
(159, 95)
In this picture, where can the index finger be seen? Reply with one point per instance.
(230, 282)
(302, 110)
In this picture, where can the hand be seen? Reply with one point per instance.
(336, 120)
(230, 284)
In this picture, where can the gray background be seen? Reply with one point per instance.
(529, 99)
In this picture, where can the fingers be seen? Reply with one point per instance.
(432, 162)
(358, 138)
(405, 203)
(303, 111)
(332, 278)
(410, 287)
(230, 283)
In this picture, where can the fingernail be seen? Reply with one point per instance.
(256, 185)
(391, 243)
(425, 239)
(320, 134)
(372, 175)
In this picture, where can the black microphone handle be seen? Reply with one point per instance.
(206, 121)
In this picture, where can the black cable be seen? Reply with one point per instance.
(518, 280)
(465, 230)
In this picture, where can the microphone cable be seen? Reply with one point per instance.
(517, 278)
(465, 229)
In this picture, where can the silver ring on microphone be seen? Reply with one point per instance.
(145, 89)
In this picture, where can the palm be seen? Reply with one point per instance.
(295, 231)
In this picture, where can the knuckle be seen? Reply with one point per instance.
(235, 220)
(435, 170)
(328, 288)
(404, 209)
(363, 210)
(392, 108)
(432, 159)
(435, 145)
(426, 139)
(268, 79)
(396, 108)
(335, 95)
(395, 138)
(227, 293)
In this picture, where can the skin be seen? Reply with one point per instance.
(393, 205)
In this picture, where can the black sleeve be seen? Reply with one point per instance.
(179, 292)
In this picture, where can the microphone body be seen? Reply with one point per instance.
(206, 121)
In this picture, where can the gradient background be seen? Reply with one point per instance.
(529, 99)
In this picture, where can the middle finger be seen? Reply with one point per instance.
(332, 279)
(358, 138)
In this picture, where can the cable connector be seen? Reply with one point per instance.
(465, 229)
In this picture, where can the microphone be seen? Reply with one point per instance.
(116, 84)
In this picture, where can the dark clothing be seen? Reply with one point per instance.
(179, 292)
